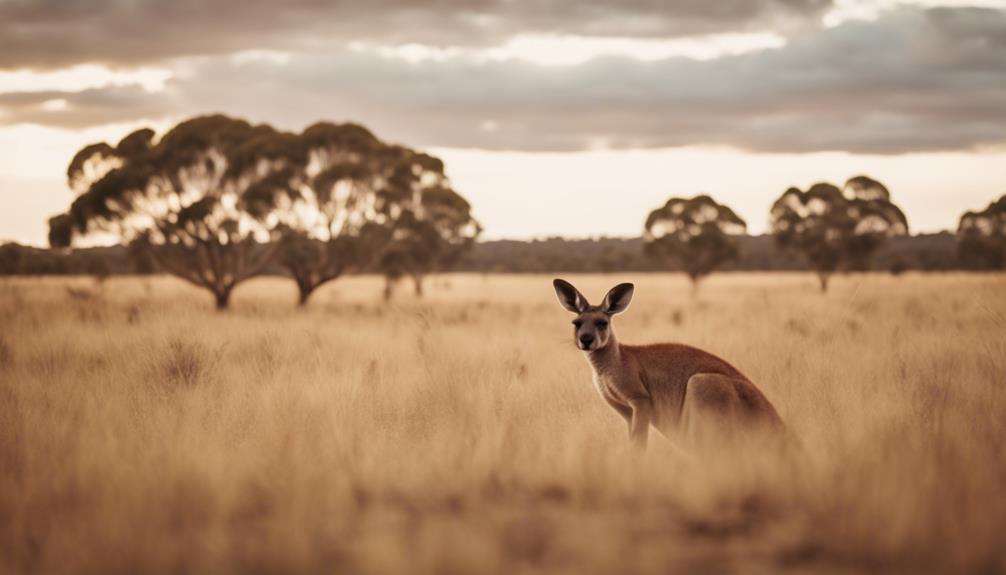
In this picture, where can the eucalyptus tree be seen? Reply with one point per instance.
(325, 186)
(181, 199)
(354, 203)
(698, 235)
(430, 232)
(981, 237)
(836, 228)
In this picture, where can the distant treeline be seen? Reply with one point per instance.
(927, 252)
(217, 200)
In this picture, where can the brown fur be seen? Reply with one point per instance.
(682, 391)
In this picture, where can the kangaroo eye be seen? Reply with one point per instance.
(577, 323)
(601, 324)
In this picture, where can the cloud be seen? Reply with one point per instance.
(59, 33)
(912, 80)
(85, 108)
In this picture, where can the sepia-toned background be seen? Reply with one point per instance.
(276, 283)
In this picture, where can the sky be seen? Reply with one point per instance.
(566, 117)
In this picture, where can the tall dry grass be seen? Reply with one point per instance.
(142, 432)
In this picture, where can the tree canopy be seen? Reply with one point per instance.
(182, 197)
(431, 233)
(327, 185)
(216, 200)
(837, 228)
(358, 203)
(981, 237)
(697, 234)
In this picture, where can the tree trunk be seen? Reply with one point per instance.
(223, 298)
(305, 287)
(389, 287)
(310, 284)
(417, 284)
(304, 291)
(823, 279)
(695, 285)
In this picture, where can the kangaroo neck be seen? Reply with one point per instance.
(606, 358)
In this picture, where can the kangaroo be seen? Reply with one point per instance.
(682, 391)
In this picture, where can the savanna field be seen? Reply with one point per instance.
(143, 432)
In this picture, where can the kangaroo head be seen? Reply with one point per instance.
(592, 327)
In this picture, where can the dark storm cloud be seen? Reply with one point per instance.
(53, 33)
(912, 80)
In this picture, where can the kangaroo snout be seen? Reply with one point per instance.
(586, 340)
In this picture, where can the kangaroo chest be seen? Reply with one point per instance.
(610, 388)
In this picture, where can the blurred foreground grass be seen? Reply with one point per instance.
(141, 431)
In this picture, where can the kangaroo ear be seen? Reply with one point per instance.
(618, 299)
(569, 297)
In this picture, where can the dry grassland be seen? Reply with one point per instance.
(140, 431)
